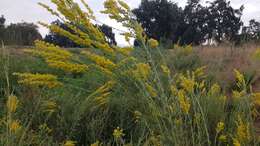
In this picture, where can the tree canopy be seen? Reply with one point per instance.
(193, 24)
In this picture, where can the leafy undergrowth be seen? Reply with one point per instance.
(107, 95)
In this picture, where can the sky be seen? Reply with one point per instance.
(29, 11)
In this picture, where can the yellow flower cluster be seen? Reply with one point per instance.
(58, 58)
(67, 66)
(236, 142)
(183, 101)
(243, 133)
(220, 127)
(187, 84)
(241, 83)
(40, 80)
(125, 50)
(14, 126)
(69, 143)
(44, 127)
(152, 92)
(12, 103)
(153, 43)
(137, 116)
(165, 70)
(100, 60)
(49, 106)
(103, 92)
(142, 71)
(118, 133)
(97, 143)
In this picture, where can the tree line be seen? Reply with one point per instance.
(21, 34)
(195, 24)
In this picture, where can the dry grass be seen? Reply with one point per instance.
(222, 60)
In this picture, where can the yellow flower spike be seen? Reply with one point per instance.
(150, 90)
(187, 84)
(125, 50)
(240, 79)
(137, 116)
(142, 71)
(222, 138)
(45, 128)
(220, 127)
(45, 80)
(214, 89)
(67, 66)
(14, 126)
(153, 43)
(165, 70)
(70, 143)
(100, 60)
(97, 143)
(184, 102)
(118, 133)
(236, 142)
(12, 103)
(243, 131)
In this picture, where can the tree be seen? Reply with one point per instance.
(2, 28)
(21, 34)
(108, 32)
(58, 39)
(65, 42)
(160, 19)
(224, 21)
(195, 18)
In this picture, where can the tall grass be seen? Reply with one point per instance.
(106, 95)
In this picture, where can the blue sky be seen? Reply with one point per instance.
(29, 11)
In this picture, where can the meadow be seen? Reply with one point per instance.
(103, 95)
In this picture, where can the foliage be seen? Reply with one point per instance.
(22, 34)
(119, 96)
(195, 24)
(62, 41)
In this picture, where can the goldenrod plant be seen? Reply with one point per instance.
(107, 95)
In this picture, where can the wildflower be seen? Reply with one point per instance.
(14, 126)
(70, 143)
(45, 128)
(12, 103)
(237, 94)
(49, 106)
(222, 138)
(137, 116)
(165, 69)
(97, 143)
(100, 60)
(220, 127)
(215, 89)
(46, 80)
(243, 133)
(151, 90)
(142, 71)
(199, 72)
(187, 84)
(240, 79)
(102, 99)
(174, 90)
(184, 102)
(125, 50)
(153, 43)
(236, 142)
(118, 133)
(67, 66)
